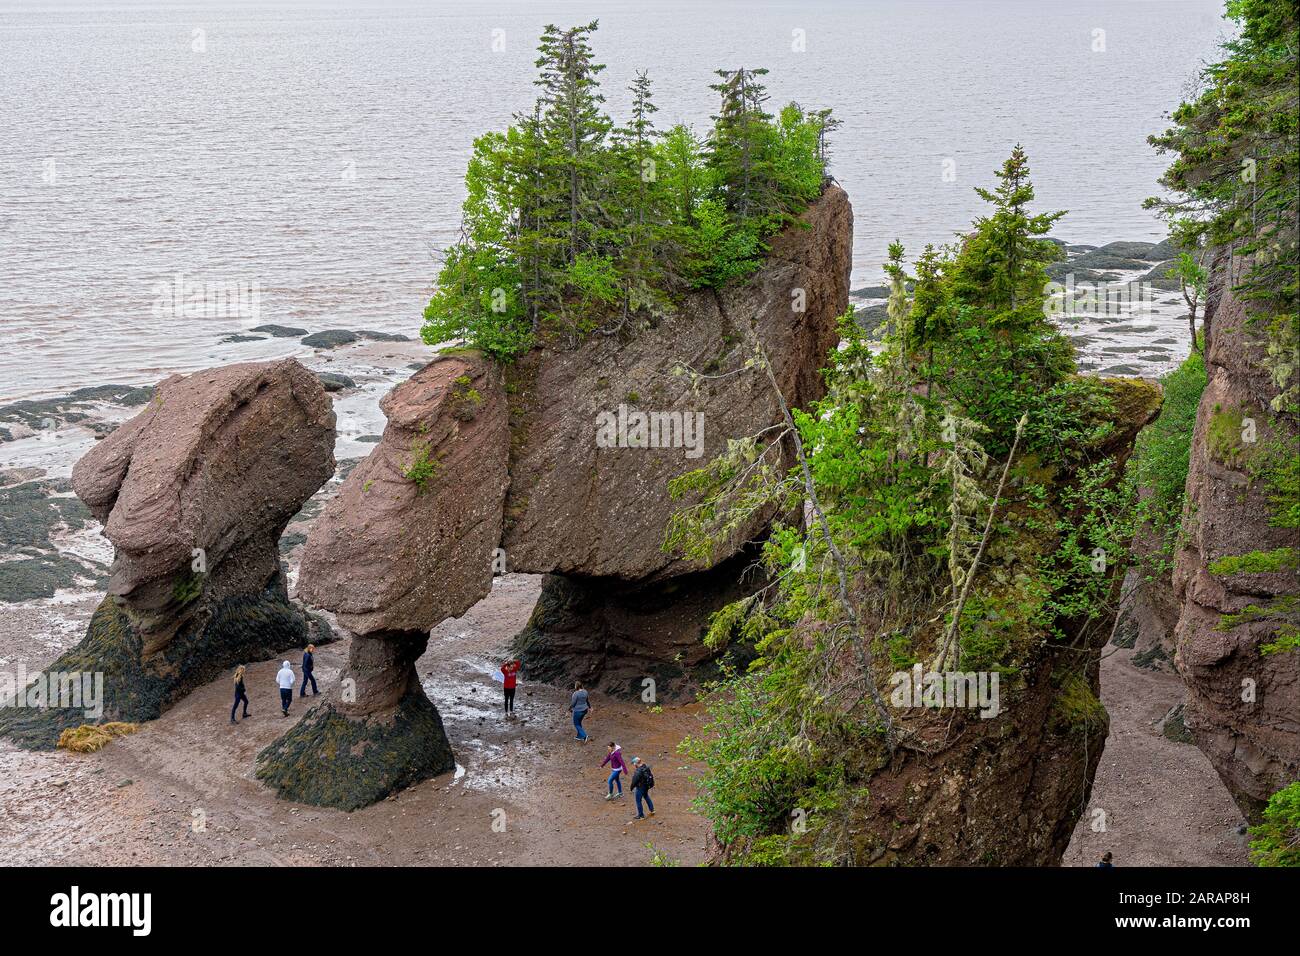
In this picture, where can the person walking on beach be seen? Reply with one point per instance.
(240, 694)
(616, 767)
(643, 781)
(509, 674)
(308, 663)
(580, 706)
(286, 681)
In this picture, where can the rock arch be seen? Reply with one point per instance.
(477, 458)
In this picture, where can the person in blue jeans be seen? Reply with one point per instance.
(308, 663)
(580, 705)
(616, 767)
(643, 779)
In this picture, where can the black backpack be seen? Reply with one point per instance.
(649, 778)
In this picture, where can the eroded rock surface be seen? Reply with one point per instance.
(577, 508)
(408, 541)
(469, 463)
(1243, 704)
(194, 492)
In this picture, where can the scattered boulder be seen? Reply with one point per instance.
(1164, 250)
(194, 493)
(335, 381)
(34, 415)
(279, 331)
(31, 513)
(1128, 250)
(330, 339)
(1158, 277)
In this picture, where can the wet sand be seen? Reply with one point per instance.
(181, 791)
(1160, 802)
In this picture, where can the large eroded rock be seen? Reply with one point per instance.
(408, 541)
(575, 507)
(518, 464)
(194, 492)
(1243, 706)
(1006, 790)
(594, 517)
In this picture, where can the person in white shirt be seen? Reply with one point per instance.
(286, 681)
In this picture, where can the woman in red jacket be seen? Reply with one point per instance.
(509, 672)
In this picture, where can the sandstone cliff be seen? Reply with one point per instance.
(1243, 704)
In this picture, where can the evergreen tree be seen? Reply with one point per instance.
(738, 147)
(1000, 267)
(573, 122)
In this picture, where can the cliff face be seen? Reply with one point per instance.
(577, 505)
(594, 517)
(1243, 705)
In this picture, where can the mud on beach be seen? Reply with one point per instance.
(181, 791)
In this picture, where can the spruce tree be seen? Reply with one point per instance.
(738, 150)
(573, 122)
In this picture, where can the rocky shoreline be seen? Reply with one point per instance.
(54, 564)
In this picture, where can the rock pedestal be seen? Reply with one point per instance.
(408, 542)
(194, 492)
(474, 459)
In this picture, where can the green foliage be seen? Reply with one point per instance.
(1276, 841)
(187, 587)
(422, 468)
(1076, 707)
(1236, 173)
(1257, 562)
(1236, 166)
(571, 224)
(1157, 470)
(465, 399)
(899, 467)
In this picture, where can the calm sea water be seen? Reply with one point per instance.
(314, 150)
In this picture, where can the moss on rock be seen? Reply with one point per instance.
(331, 760)
(230, 632)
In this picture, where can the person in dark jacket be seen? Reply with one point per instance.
(1105, 863)
(308, 662)
(240, 694)
(642, 780)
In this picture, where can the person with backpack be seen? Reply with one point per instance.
(308, 663)
(284, 677)
(240, 694)
(643, 781)
(580, 706)
(616, 767)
